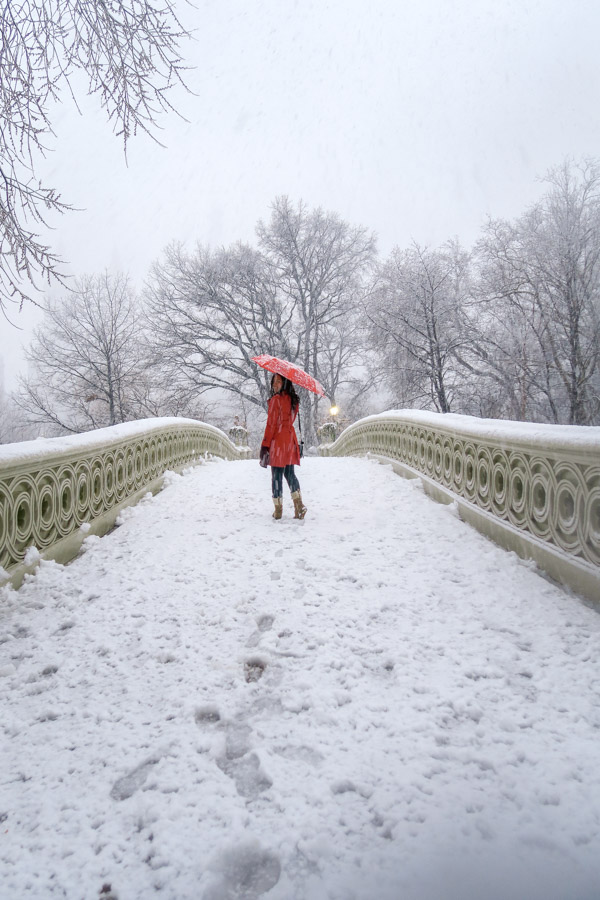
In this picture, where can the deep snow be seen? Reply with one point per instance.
(375, 703)
(584, 438)
(42, 448)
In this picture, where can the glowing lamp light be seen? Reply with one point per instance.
(333, 411)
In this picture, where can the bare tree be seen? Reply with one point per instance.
(296, 297)
(210, 312)
(155, 393)
(13, 426)
(540, 281)
(86, 359)
(415, 311)
(502, 364)
(345, 363)
(128, 49)
(320, 264)
(509, 374)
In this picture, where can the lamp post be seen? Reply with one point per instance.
(333, 411)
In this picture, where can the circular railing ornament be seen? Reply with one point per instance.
(543, 481)
(53, 494)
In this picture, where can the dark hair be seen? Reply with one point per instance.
(287, 388)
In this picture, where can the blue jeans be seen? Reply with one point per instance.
(277, 473)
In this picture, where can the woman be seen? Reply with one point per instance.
(281, 442)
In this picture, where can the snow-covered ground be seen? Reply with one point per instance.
(376, 703)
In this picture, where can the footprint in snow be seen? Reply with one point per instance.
(249, 777)
(237, 762)
(242, 765)
(302, 753)
(50, 669)
(128, 784)
(254, 669)
(265, 623)
(207, 715)
(254, 639)
(244, 872)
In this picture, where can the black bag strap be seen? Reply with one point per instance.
(300, 429)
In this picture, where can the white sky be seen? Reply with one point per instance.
(416, 121)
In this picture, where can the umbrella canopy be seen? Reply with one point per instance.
(291, 371)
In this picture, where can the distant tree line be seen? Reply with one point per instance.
(510, 329)
(507, 329)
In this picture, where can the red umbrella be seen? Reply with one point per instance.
(291, 371)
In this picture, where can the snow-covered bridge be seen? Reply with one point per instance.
(376, 702)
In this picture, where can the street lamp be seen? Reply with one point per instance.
(333, 411)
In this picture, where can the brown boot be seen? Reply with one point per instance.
(299, 508)
(278, 504)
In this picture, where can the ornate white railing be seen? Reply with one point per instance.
(50, 488)
(533, 488)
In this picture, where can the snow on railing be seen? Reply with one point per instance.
(55, 491)
(533, 488)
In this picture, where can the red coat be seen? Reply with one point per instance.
(280, 434)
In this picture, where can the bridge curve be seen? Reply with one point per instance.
(534, 489)
(53, 492)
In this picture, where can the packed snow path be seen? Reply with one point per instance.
(376, 703)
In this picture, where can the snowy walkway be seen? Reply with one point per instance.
(376, 703)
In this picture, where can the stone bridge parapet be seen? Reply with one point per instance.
(533, 488)
(53, 492)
